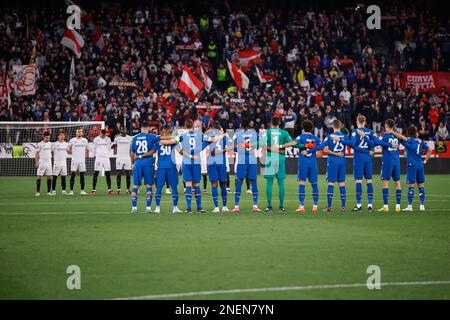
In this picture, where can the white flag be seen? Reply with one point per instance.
(25, 79)
(72, 75)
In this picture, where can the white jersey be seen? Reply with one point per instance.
(123, 144)
(78, 146)
(102, 147)
(60, 153)
(45, 152)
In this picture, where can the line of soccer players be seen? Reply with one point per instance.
(137, 155)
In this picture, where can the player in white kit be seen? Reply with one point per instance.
(60, 149)
(43, 160)
(102, 152)
(121, 145)
(77, 148)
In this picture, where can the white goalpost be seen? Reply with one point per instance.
(18, 142)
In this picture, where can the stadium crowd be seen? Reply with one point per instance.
(327, 65)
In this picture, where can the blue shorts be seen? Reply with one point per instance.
(217, 172)
(191, 172)
(309, 173)
(362, 168)
(336, 172)
(389, 171)
(244, 168)
(146, 173)
(167, 174)
(415, 173)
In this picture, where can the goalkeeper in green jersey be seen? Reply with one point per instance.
(275, 140)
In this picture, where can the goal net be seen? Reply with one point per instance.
(18, 142)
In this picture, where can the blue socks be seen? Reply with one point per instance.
(158, 195)
(330, 192)
(359, 193)
(315, 193)
(370, 193)
(398, 196)
(422, 195)
(255, 192)
(149, 196)
(301, 194)
(237, 194)
(385, 196)
(343, 195)
(188, 195)
(224, 194)
(410, 195)
(215, 195)
(174, 195)
(198, 197)
(134, 198)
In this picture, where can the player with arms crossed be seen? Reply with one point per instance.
(245, 142)
(121, 144)
(77, 148)
(143, 147)
(43, 160)
(336, 166)
(192, 143)
(167, 169)
(275, 140)
(390, 168)
(217, 167)
(307, 166)
(415, 171)
(102, 151)
(362, 161)
(60, 151)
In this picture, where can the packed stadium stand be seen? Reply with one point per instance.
(323, 63)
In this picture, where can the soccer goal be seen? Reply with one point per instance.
(18, 142)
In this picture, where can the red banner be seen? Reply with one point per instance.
(430, 82)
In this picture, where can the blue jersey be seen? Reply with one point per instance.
(192, 143)
(246, 155)
(390, 155)
(141, 144)
(362, 146)
(335, 146)
(414, 150)
(166, 157)
(310, 160)
(222, 144)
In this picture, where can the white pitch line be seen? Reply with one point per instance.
(278, 289)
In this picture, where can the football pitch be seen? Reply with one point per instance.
(221, 255)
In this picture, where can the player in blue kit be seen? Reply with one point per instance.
(245, 142)
(141, 154)
(217, 167)
(390, 168)
(362, 161)
(415, 172)
(192, 143)
(167, 169)
(307, 166)
(334, 145)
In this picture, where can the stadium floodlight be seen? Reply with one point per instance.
(18, 142)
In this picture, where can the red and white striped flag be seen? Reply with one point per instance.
(74, 41)
(247, 58)
(239, 77)
(206, 79)
(189, 84)
(264, 78)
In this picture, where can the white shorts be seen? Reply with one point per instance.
(60, 170)
(78, 166)
(45, 169)
(100, 163)
(123, 164)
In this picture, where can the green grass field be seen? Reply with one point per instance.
(122, 256)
